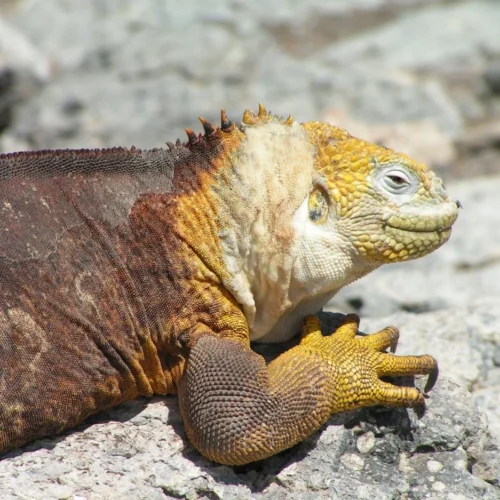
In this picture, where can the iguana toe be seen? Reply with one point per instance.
(382, 340)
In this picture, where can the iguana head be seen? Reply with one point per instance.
(389, 207)
(311, 209)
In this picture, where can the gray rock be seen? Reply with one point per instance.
(6, 100)
(140, 73)
(17, 51)
(492, 77)
(22, 71)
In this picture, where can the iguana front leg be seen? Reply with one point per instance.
(238, 410)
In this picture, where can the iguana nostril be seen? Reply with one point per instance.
(459, 205)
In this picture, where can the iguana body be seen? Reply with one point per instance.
(127, 273)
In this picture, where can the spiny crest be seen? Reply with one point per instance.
(263, 116)
(192, 137)
(207, 127)
(227, 126)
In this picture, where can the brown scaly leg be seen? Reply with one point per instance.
(237, 410)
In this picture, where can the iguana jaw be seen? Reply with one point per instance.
(428, 234)
(324, 262)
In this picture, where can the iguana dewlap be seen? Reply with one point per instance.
(127, 273)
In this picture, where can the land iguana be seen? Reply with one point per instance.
(127, 273)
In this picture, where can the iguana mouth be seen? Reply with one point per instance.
(421, 232)
(411, 235)
(422, 224)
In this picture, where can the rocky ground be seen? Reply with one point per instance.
(422, 76)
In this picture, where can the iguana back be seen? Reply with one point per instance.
(77, 292)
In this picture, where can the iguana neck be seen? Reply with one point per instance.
(264, 235)
(269, 177)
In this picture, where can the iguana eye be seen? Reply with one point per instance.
(396, 181)
(318, 205)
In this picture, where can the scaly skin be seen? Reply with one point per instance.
(128, 273)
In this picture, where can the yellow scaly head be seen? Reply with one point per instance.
(389, 206)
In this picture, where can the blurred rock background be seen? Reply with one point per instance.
(421, 76)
